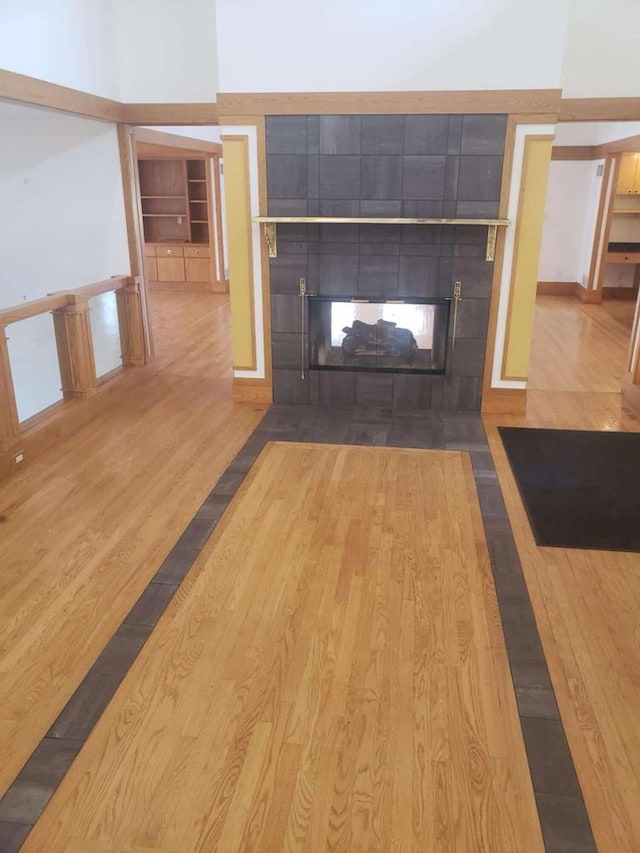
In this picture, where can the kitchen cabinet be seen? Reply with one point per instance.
(629, 175)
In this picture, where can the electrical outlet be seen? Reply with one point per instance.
(19, 457)
(179, 220)
(599, 170)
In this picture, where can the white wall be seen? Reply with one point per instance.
(601, 57)
(62, 220)
(166, 50)
(69, 42)
(62, 225)
(289, 45)
(573, 193)
(593, 132)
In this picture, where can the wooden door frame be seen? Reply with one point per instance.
(155, 144)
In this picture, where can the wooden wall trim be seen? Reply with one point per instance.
(599, 109)
(504, 401)
(240, 249)
(631, 394)
(528, 223)
(40, 93)
(522, 101)
(603, 223)
(558, 288)
(505, 190)
(574, 152)
(574, 288)
(619, 146)
(173, 140)
(260, 125)
(252, 390)
(596, 152)
(204, 113)
(133, 214)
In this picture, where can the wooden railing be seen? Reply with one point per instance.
(70, 310)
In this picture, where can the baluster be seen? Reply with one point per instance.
(75, 349)
(130, 320)
(9, 425)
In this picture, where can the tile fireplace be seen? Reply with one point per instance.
(394, 167)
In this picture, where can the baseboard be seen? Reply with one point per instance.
(252, 391)
(629, 293)
(220, 287)
(591, 297)
(504, 401)
(569, 288)
(557, 288)
(630, 394)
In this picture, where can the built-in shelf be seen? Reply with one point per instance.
(162, 196)
(270, 223)
(199, 221)
(163, 215)
(626, 212)
(197, 181)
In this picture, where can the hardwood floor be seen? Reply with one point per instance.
(586, 603)
(331, 675)
(89, 522)
(579, 347)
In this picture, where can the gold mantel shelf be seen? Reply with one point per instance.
(270, 223)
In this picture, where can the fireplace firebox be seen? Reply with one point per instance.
(407, 335)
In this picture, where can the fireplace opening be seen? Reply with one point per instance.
(394, 336)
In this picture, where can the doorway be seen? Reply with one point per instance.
(589, 262)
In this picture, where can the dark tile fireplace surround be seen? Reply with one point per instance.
(440, 166)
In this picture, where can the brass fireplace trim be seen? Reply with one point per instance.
(270, 226)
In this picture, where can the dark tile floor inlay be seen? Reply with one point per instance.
(564, 820)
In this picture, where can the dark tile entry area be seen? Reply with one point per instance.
(565, 824)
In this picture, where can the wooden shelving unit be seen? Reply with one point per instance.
(164, 199)
(177, 216)
(197, 190)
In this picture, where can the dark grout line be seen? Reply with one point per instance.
(561, 809)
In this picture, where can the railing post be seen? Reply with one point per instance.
(131, 324)
(9, 427)
(75, 349)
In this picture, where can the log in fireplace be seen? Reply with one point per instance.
(392, 336)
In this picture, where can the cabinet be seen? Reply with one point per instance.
(150, 263)
(170, 261)
(197, 262)
(629, 175)
(177, 216)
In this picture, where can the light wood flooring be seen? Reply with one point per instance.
(579, 347)
(587, 603)
(331, 675)
(89, 522)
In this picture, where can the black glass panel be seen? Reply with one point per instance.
(400, 336)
